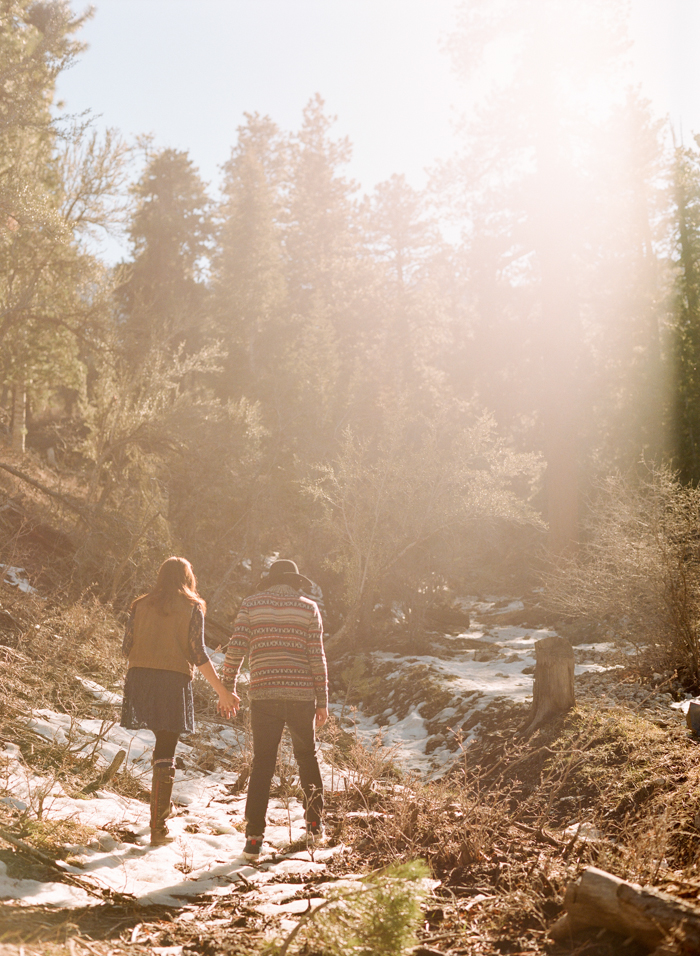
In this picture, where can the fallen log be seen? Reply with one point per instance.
(648, 915)
(71, 503)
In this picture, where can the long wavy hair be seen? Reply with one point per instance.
(175, 579)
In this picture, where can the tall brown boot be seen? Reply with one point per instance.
(161, 792)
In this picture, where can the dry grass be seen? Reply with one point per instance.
(493, 830)
(496, 831)
(50, 643)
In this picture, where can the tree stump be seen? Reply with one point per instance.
(692, 717)
(553, 691)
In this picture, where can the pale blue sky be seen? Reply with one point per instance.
(187, 70)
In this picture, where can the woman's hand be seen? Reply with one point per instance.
(228, 703)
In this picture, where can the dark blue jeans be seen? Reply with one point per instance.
(268, 718)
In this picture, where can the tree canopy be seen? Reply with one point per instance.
(361, 382)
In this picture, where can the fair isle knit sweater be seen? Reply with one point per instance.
(282, 635)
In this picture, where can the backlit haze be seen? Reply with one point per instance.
(187, 70)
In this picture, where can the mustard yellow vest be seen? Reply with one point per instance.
(161, 640)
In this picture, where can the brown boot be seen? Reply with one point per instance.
(161, 791)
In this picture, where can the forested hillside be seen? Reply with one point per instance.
(435, 400)
(403, 390)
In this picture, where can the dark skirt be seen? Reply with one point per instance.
(157, 700)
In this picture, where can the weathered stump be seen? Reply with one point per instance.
(648, 915)
(553, 691)
(692, 717)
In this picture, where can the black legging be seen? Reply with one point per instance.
(166, 742)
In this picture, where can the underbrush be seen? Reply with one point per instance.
(638, 571)
(513, 824)
(45, 648)
(505, 830)
(50, 644)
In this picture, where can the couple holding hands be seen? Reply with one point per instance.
(280, 632)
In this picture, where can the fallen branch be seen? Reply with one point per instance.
(30, 850)
(11, 652)
(216, 634)
(644, 913)
(539, 833)
(62, 869)
(107, 774)
(68, 502)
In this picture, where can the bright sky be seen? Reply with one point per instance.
(187, 70)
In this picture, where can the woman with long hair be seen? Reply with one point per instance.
(164, 642)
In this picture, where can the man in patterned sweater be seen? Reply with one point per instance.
(281, 633)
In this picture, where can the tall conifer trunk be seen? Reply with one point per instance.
(686, 437)
(19, 417)
(560, 412)
(560, 330)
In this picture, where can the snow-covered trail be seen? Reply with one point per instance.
(204, 859)
(485, 664)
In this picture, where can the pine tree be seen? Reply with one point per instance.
(686, 332)
(380, 918)
(627, 280)
(329, 278)
(249, 285)
(409, 347)
(162, 294)
(51, 290)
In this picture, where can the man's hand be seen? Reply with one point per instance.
(228, 703)
(321, 717)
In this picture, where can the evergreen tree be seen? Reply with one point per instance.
(36, 44)
(330, 280)
(627, 277)
(319, 238)
(162, 294)
(409, 347)
(50, 190)
(398, 231)
(249, 285)
(686, 333)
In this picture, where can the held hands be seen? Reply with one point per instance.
(321, 717)
(228, 703)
